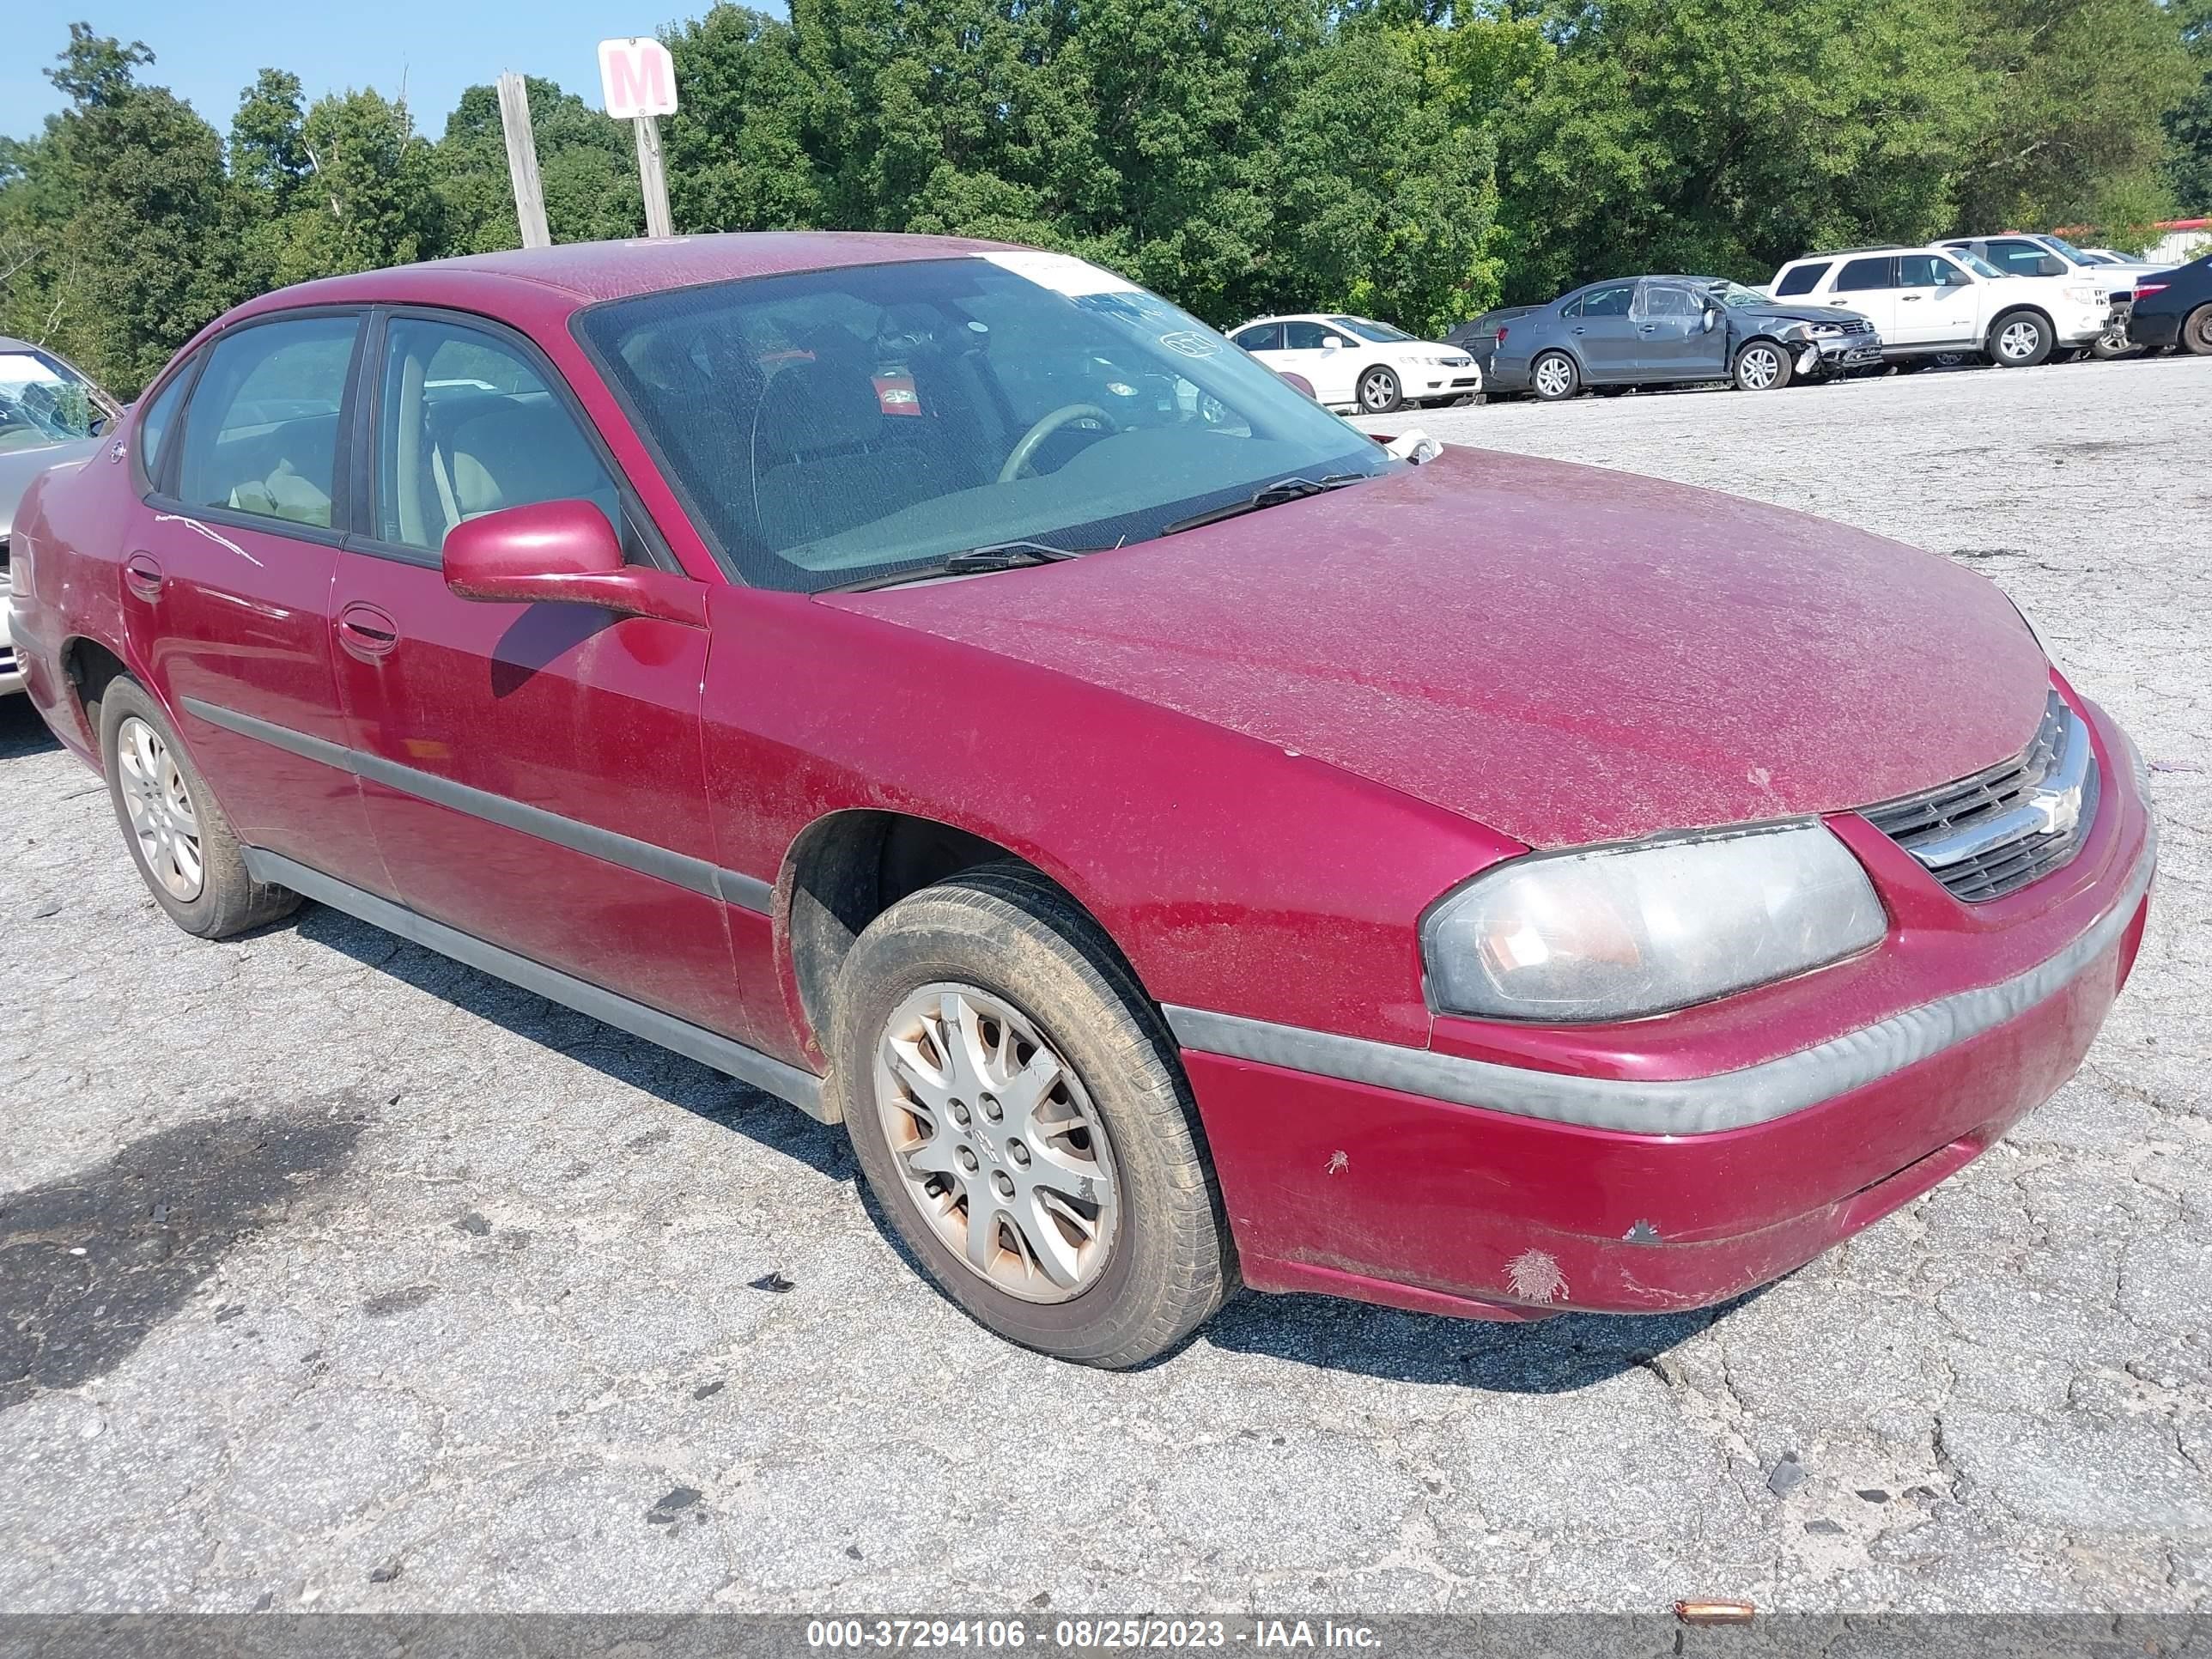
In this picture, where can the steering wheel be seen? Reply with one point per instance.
(1044, 428)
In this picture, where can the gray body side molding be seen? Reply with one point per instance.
(802, 1089)
(680, 869)
(1689, 1106)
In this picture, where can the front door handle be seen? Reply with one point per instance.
(366, 633)
(142, 575)
(1907, 299)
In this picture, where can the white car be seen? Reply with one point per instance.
(1929, 302)
(1351, 362)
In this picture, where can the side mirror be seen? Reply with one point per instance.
(562, 553)
(1331, 342)
(2051, 265)
(1712, 318)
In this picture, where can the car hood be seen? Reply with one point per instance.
(1565, 654)
(1787, 313)
(19, 466)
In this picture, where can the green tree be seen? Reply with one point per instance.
(2189, 123)
(585, 163)
(2073, 93)
(1723, 137)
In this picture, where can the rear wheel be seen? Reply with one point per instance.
(2197, 331)
(1555, 377)
(1013, 1099)
(1762, 366)
(1379, 392)
(2020, 339)
(178, 838)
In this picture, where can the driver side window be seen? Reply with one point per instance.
(1304, 336)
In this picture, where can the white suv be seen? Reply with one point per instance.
(1929, 300)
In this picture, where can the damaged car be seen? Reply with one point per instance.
(1184, 846)
(1649, 331)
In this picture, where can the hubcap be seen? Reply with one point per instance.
(1552, 377)
(1761, 365)
(1376, 391)
(2203, 329)
(2020, 340)
(161, 809)
(997, 1142)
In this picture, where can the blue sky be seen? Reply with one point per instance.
(208, 51)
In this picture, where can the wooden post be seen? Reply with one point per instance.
(651, 180)
(522, 161)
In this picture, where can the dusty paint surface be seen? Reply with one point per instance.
(1564, 653)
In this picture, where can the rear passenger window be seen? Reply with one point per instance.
(469, 426)
(1860, 275)
(261, 433)
(1267, 337)
(1803, 279)
(1609, 301)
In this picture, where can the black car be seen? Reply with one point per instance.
(2171, 308)
(1673, 330)
(1478, 336)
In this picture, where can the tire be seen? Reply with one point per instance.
(2195, 335)
(1565, 379)
(1762, 366)
(1378, 391)
(2113, 345)
(2018, 339)
(183, 846)
(1023, 960)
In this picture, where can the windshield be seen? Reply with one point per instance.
(839, 425)
(2066, 247)
(1380, 333)
(1975, 262)
(1737, 297)
(44, 401)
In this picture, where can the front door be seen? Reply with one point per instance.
(1673, 340)
(227, 583)
(1936, 304)
(1607, 333)
(1324, 356)
(533, 771)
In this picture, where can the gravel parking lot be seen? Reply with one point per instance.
(338, 1276)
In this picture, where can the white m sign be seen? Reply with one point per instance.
(637, 77)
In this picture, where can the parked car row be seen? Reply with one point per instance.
(1351, 362)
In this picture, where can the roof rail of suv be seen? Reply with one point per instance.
(1839, 252)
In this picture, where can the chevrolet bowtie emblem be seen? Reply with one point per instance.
(2059, 809)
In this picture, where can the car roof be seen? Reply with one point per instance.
(589, 272)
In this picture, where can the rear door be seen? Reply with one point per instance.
(533, 771)
(1936, 304)
(1673, 341)
(227, 576)
(1867, 285)
(1607, 333)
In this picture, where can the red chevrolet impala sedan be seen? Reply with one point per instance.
(955, 690)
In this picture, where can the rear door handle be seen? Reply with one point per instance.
(366, 633)
(142, 575)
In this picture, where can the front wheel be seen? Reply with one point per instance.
(2020, 339)
(1014, 1102)
(2196, 332)
(1762, 366)
(2113, 344)
(1555, 377)
(1379, 392)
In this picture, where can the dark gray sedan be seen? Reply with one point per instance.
(1673, 330)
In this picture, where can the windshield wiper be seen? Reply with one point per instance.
(968, 562)
(1274, 495)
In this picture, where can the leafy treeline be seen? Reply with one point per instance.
(1410, 158)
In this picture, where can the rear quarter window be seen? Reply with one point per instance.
(1801, 279)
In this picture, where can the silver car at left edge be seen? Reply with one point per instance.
(50, 413)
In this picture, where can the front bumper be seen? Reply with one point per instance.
(1839, 355)
(2084, 326)
(1381, 1190)
(11, 667)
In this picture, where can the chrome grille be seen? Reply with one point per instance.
(1992, 834)
(1858, 325)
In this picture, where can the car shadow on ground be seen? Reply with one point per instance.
(641, 1065)
(21, 732)
(1550, 1356)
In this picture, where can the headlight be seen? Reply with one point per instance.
(1619, 933)
(2086, 296)
(1822, 331)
